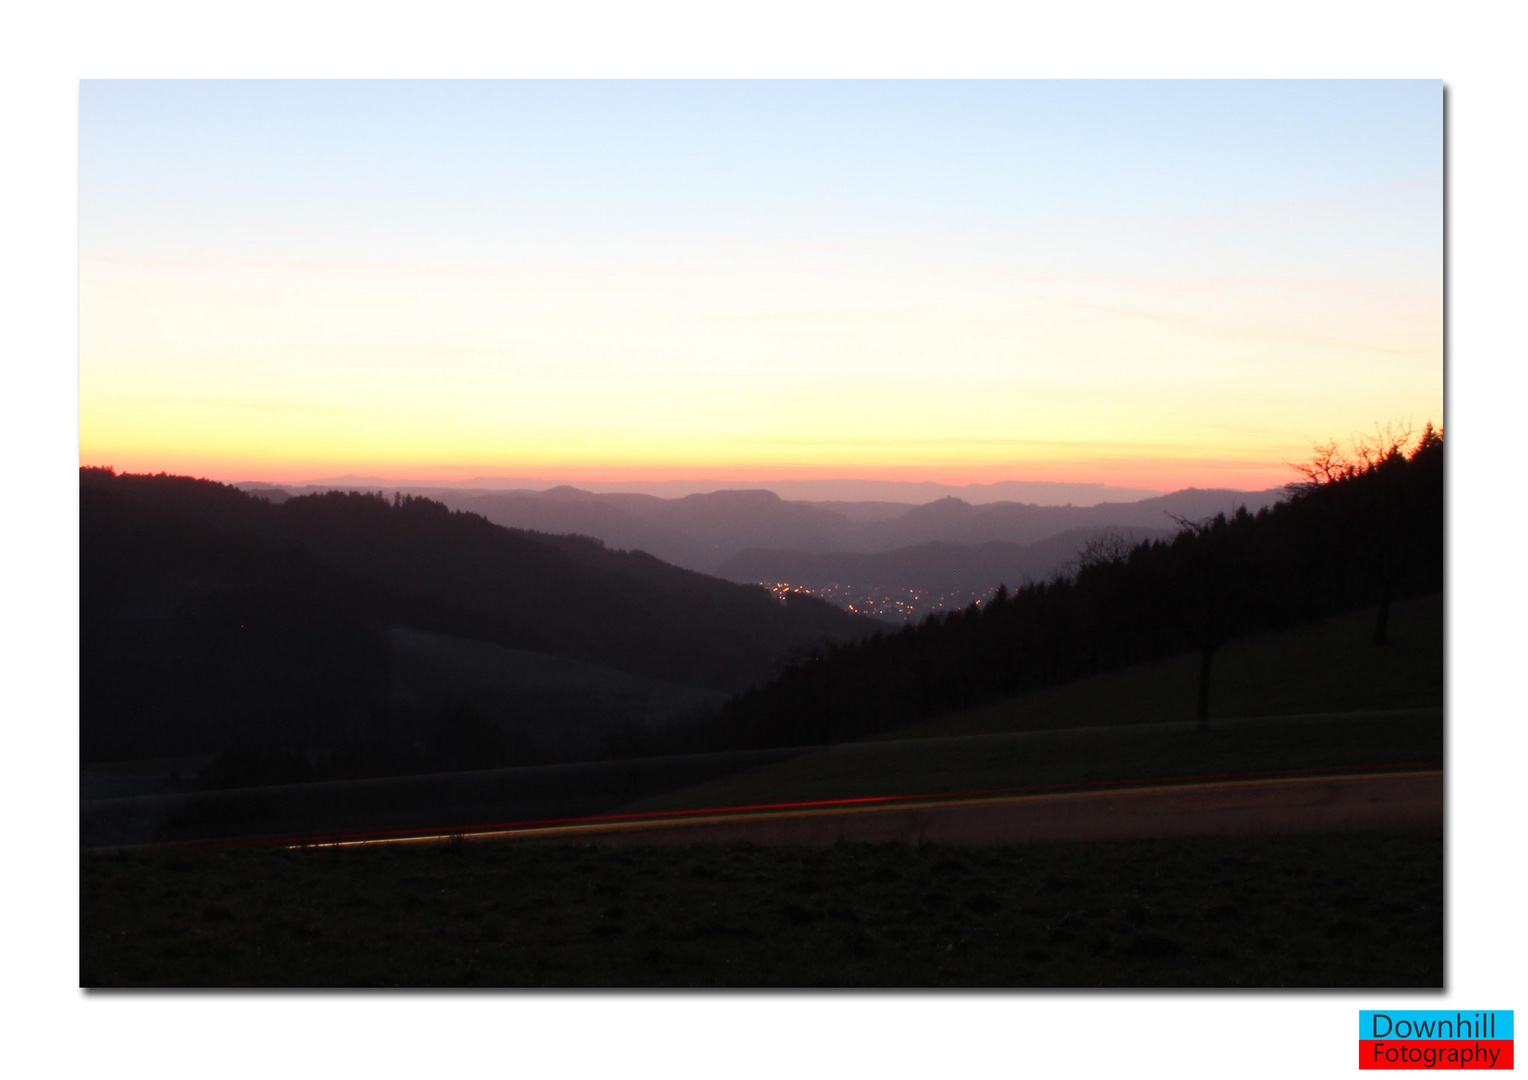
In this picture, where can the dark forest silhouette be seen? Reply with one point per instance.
(1365, 527)
(216, 622)
(211, 618)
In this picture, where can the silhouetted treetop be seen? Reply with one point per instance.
(1364, 527)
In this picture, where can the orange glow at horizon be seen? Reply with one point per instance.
(238, 442)
(961, 282)
(1161, 473)
(958, 377)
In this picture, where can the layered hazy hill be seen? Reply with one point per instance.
(904, 492)
(210, 616)
(708, 531)
(894, 560)
(956, 521)
(937, 568)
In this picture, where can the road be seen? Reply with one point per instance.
(577, 791)
(1302, 804)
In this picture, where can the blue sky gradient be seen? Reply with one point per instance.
(1019, 229)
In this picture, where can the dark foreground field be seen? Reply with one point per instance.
(1356, 910)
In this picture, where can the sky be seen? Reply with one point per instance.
(1153, 285)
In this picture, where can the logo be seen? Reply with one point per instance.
(1431, 1039)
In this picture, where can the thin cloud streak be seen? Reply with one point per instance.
(1250, 335)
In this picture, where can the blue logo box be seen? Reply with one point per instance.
(1431, 1025)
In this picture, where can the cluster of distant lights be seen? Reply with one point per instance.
(879, 601)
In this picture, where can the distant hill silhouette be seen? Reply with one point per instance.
(904, 493)
(1367, 528)
(936, 567)
(702, 532)
(207, 613)
(698, 531)
(954, 521)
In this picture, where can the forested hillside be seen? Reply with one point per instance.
(1364, 529)
(209, 616)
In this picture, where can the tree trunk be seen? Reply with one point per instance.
(1205, 656)
(1382, 621)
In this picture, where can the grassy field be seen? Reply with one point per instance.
(1325, 667)
(1127, 754)
(1312, 670)
(1358, 910)
(1361, 910)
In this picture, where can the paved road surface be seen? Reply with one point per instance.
(1407, 800)
(466, 801)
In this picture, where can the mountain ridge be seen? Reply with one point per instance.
(702, 531)
(257, 593)
(838, 489)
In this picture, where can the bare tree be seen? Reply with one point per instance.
(1371, 515)
(1109, 547)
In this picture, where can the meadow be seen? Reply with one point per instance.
(1307, 911)
(1297, 911)
(1318, 697)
